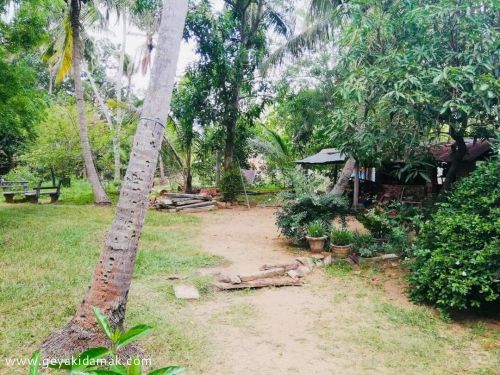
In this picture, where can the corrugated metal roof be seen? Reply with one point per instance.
(325, 156)
(475, 149)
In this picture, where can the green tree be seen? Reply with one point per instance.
(67, 54)
(22, 103)
(113, 274)
(189, 115)
(231, 45)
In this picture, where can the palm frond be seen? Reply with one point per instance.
(278, 141)
(322, 8)
(64, 55)
(92, 16)
(277, 21)
(319, 31)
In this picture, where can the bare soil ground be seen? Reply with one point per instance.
(339, 322)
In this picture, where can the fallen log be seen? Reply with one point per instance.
(261, 283)
(287, 267)
(262, 274)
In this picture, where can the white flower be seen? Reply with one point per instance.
(464, 273)
(457, 262)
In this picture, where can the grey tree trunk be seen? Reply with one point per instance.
(344, 177)
(119, 112)
(100, 102)
(100, 196)
(113, 274)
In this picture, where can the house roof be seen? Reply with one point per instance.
(325, 156)
(475, 150)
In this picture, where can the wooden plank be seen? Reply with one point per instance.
(261, 283)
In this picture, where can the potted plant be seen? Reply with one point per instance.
(341, 243)
(316, 237)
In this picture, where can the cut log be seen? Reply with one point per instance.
(262, 274)
(261, 283)
(196, 205)
(191, 196)
(380, 258)
(287, 267)
(185, 202)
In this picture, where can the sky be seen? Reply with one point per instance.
(137, 38)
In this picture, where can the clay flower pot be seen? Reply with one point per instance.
(341, 251)
(316, 244)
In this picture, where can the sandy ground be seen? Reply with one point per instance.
(338, 325)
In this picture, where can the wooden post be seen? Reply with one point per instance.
(355, 198)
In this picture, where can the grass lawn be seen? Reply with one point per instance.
(48, 252)
(47, 255)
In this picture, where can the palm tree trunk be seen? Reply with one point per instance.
(100, 101)
(118, 90)
(188, 180)
(100, 196)
(113, 274)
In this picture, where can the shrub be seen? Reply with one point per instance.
(231, 184)
(316, 229)
(377, 221)
(341, 237)
(457, 261)
(381, 220)
(296, 214)
(360, 240)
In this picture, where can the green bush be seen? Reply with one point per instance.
(457, 263)
(231, 184)
(316, 229)
(296, 214)
(341, 237)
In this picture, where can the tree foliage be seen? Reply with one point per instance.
(22, 103)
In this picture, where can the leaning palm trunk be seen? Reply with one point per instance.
(344, 177)
(113, 274)
(118, 89)
(100, 196)
(100, 101)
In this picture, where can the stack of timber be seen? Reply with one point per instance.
(175, 202)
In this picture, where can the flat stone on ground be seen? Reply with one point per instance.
(186, 292)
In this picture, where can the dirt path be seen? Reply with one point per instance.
(268, 331)
(340, 324)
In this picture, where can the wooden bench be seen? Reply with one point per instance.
(54, 191)
(12, 188)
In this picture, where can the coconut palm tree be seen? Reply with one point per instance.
(67, 55)
(113, 274)
(324, 18)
